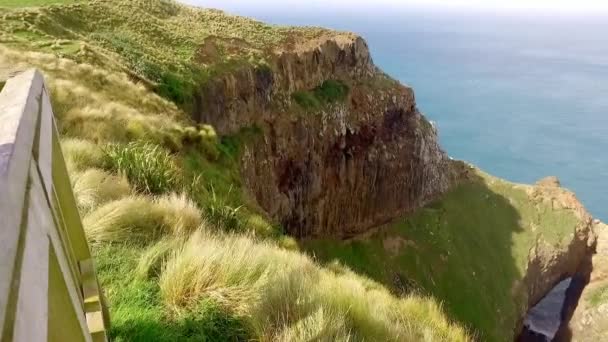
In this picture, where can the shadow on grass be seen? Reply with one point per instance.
(460, 249)
(203, 327)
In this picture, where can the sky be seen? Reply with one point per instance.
(562, 6)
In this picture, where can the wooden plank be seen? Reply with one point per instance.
(45, 144)
(19, 109)
(41, 280)
(67, 204)
(74, 292)
(63, 237)
(63, 317)
(54, 203)
(92, 300)
(31, 317)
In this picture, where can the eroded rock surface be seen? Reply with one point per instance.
(549, 263)
(336, 170)
(590, 319)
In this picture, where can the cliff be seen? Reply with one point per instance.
(588, 315)
(335, 170)
(273, 133)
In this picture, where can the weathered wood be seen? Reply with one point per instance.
(73, 289)
(19, 108)
(67, 203)
(64, 324)
(48, 284)
(45, 143)
(32, 310)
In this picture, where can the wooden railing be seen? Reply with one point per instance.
(48, 286)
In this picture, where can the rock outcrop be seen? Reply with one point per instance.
(548, 264)
(336, 170)
(589, 319)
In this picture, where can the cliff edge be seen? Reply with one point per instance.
(269, 133)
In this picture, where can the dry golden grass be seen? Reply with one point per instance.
(99, 105)
(142, 219)
(95, 187)
(81, 154)
(284, 295)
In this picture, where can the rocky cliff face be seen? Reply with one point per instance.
(548, 264)
(589, 321)
(339, 169)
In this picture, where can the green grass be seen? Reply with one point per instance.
(468, 250)
(328, 92)
(156, 41)
(598, 296)
(137, 311)
(149, 167)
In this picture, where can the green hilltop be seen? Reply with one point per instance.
(183, 252)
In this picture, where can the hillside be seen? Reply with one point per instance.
(241, 181)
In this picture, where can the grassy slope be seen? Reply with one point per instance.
(156, 41)
(206, 264)
(26, 3)
(469, 249)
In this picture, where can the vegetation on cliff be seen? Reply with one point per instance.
(329, 91)
(470, 248)
(182, 252)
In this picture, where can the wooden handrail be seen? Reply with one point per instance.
(48, 286)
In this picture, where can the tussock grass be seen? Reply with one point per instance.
(95, 187)
(148, 167)
(153, 258)
(138, 314)
(284, 294)
(101, 104)
(81, 154)
(142, 219)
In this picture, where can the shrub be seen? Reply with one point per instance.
(205, 140)
(306, 99)
(148, 167)
(209, 142)
(175, 88)
(331, 91)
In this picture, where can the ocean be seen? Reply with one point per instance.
(522, 96)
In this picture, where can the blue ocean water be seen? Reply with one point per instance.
(522, 96)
